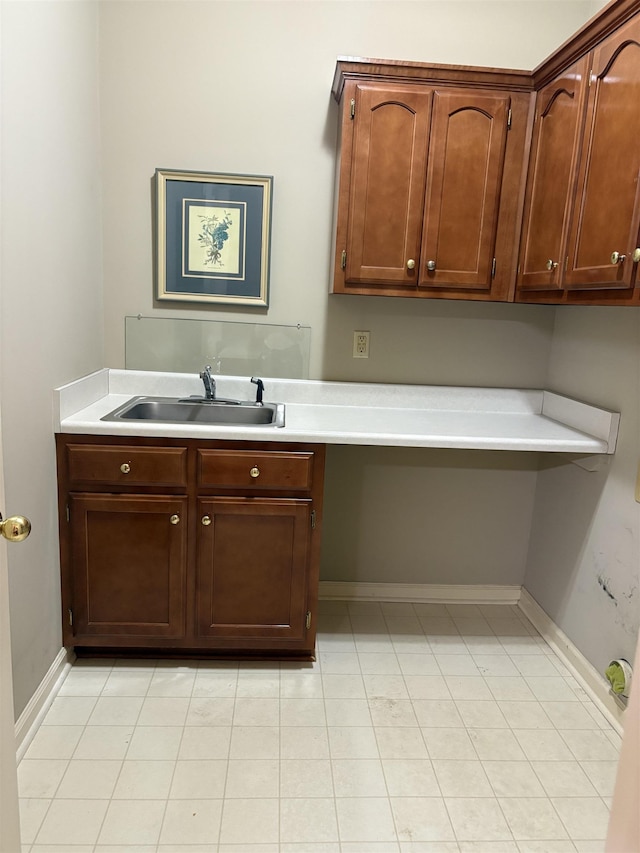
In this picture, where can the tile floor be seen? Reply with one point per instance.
(420, 729)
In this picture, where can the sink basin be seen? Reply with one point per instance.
(175, 410)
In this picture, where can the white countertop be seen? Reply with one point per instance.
(353, 413)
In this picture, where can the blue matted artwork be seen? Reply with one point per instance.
(213, 237)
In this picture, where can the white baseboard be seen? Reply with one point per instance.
(429, 593)
(587, 675)
(30, 719)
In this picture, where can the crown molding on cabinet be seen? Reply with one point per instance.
(603, 23)
(394, 71)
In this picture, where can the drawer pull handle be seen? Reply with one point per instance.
(254, 472)
(552, 265)
(411, 264)
(206, 520)
(175, 519)
(431, 265)
(617, 258)
(125, 467)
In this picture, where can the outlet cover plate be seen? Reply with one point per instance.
(361, 344)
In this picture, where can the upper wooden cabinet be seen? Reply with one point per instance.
(606, 213)
(431, 165)
(582, 210)
(554, 149)
(483, 183)
(464, 185)
(388, 172)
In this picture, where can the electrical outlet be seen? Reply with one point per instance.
(361, 344)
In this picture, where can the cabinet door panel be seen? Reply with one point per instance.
(466, 155)
(554, 152)
(388, 179)
(129, 565)
(606, 216)
(252, 567)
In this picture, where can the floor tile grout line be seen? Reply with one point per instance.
(175, 766)
(333, 781)
(226, 772)
(122, 764)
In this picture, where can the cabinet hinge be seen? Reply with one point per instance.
(70, 616)
(313, 519)
(566, 263)
(353, 108)
(343, 259)
(590, 78)
(68, 513)
(493, 268)
(509, 114)
(307, 621)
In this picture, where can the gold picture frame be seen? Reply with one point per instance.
(213, 237)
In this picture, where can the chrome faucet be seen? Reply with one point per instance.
(209, 383)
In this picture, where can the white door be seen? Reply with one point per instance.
(9, 818)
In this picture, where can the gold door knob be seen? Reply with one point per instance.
(125, 467)
(431, 265)
(206, 520)
(175, 519)
(551, 264)
(15, 528)
(635, 257)
(617, 258)
(254, 472)
(411, 264)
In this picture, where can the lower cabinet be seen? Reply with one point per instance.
(252, 568)
(128, 557)
(190, 546)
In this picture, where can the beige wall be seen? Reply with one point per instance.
(245, 87)
(584, 556)
(51, 292)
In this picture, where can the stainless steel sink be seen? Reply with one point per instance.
(176, 410)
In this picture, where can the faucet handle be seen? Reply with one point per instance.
(259, 389)
(209, 383)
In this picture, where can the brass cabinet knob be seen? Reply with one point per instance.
(254, 472)
(431, 265)
(15, 528)
(411, 264)
(175, 519)
(125, 467)
(617, 258)
(552, 265)
(206, 520)
(635, 257)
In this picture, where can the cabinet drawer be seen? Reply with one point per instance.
(249, 469)
(124, 465)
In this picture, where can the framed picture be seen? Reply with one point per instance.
(213, 237)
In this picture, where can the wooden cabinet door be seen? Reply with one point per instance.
(388, 171)
(606, 216)
(252, 564)
(128, 566)
(554, 152)
(466, 156)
